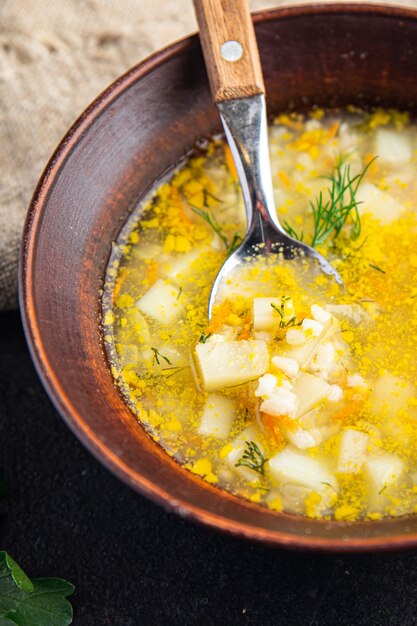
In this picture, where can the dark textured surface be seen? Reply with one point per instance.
(135, 565)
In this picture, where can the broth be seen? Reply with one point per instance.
(297, 394)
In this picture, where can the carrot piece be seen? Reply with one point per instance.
(220, 316)
(273, 428)
(245, 333)
(284, 178)
(152, 272)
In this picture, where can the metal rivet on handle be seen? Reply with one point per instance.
(231, 51)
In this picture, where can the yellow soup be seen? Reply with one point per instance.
(298, 395)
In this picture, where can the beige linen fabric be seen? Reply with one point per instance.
(55, 57)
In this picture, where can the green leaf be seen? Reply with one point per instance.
(40, 602)
(18, 575)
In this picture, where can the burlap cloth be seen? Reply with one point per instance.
(55, 57)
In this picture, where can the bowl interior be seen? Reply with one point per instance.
(327, 55)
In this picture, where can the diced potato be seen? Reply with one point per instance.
(230, 363)
(176, 358)
(161, 302)
(218, 416)
(393, 147)
(390, 393)
(291, 466)
(265, 317)
(310, 391)
(179, 266)
(352, 451)
(377, 202)
(381, 472)
(301, 438)
(251, 433)
(139, 325)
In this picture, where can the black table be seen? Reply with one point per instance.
(133, 564)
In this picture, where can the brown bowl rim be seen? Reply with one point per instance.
(63, 405)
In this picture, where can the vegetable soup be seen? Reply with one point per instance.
(298, 394)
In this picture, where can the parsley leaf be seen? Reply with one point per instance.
(38, 602)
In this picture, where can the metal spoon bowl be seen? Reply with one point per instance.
(234, 69)
(245, 124)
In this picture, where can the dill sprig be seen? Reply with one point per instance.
(377, 268)
(204, 336)
(341, 207)
(213, 223)
(157, 355)
(281, 312)
(331, 216)
(292, 232)
(252, 458)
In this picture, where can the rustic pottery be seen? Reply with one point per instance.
(332, 54)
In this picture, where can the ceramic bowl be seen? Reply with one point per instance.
(127, 139)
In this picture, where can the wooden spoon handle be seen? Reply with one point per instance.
(230, 50)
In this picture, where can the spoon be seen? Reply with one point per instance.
(234, 69)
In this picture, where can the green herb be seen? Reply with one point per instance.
(382, 490)
(208, 195)
(38, 602)
(281, 311)
(235, 243)
(327, 484)
(252, 458)
(204, 336)
(342, 205)
(212, 222)
(179, 293)
(293, 233)
(378, 269)
(174, 370)
(156, 356)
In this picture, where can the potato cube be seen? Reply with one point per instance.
(352, 451)
(393, 147)
(266, 317)
(218, 416)
(382, 471)
(291, 466)
(161, 302)
(230, 363)
(310, 391)
(179, 267)
(390, 394)
(380, 204)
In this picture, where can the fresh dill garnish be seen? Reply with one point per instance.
(281, 312)
(179, 293)
(331, 215)
(212, 222)
(157, 355)
(206, 195)
(204, 336)
(377, 268)
(327, 484)
(252, 458)
(382, 490)
(292, 232)
(236, 241)
(174, 370)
